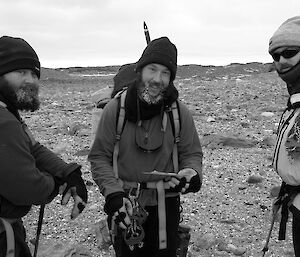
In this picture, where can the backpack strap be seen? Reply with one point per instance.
(120, 125)
(10, 238)
(175, 120)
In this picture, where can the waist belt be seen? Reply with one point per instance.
(5, 225)
(160, 187)
(143, 185)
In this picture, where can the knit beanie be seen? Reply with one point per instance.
(161, 51)
(16, 54)
(287, 35)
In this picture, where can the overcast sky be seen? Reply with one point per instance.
(68, 33)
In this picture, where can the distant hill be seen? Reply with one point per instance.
(183, 71)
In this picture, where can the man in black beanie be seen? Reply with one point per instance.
(138, 135)
(30, 174)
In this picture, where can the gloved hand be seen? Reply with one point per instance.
(120, 208)
(76, 188)
(58, 185)
(186, 181)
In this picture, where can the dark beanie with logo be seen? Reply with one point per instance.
(17, 54)
(161, 51)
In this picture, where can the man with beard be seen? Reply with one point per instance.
(30, 173)
(284, 47)
(144, 208)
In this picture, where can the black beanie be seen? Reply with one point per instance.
(16, 54)
(161, 51)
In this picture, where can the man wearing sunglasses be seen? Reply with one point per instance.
(284, 47)
(146, 145)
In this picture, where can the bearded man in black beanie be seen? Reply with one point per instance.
(30, 174)
(284, 47)
(143, 205)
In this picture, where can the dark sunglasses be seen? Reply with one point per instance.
(287, 53)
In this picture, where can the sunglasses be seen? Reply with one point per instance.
(287, 53)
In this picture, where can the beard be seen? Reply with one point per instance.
(143, 91)
(24, 98)
(28, 97)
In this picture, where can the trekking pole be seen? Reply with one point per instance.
(266, 247)
(39, 229)
(147, 35)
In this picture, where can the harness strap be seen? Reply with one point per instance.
(10, 238)
(176, 121)
(161, 215)
(120, 124)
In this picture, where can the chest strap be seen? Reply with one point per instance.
(10, 239)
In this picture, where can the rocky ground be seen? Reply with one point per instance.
(236, 110)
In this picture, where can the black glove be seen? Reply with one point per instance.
(76, 188)
(120, 208)
(188, 180)
(195, 184)
(57, 183)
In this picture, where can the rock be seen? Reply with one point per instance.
(268, 141)
(205, 241)
(60, 148)
(211, 119)
(230, 248)
(218, 141)
(54, 249)
(254, 179)
(267, 114)
(238, 251)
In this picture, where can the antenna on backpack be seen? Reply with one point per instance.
(147, 35)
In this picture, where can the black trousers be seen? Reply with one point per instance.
(21, 247)
(296, 235)
(151, 228)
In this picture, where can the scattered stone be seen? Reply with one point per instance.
(268, 141)
(205, 241)
(230, 248)
(211, 119)
(238, 251)
(267, 114)
(218, 141)
(54, 249)
(254, 179)
(60, 148)
(83, 152)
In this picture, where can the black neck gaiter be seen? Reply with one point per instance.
(136, 109)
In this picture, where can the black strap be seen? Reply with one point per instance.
(286, 196)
